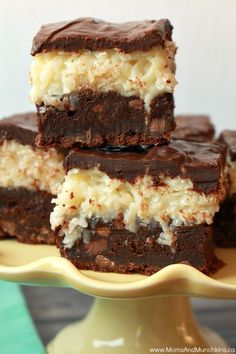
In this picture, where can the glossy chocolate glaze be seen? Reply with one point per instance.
(201, 162)
(95, 34)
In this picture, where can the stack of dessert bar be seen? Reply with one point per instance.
(133, 199)
(200, 128)
(135, 194)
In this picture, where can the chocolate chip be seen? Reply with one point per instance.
(96, 247)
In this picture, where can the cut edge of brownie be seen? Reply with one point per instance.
(224, 227)
(100, 119)
(24, 214)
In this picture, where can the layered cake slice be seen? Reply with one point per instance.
(28, 180)
(225, 220)
(97, 83)
(194, 128)
(138, 211)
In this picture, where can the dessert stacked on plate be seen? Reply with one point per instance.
(133, 199)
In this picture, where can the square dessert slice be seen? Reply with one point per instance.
(138, 211)
(225, 220)
(28, 180)
(97, 83)
(194, 128)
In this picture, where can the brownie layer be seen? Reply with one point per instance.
(20, 127)
(24, 214)
(94, 34)
(202, 163)
(98, 119)
(225, 223)
(194, 128)
(108, 247)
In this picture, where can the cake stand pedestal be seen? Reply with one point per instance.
(135, 327)
(132, 314)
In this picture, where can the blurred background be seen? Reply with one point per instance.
(204, 31)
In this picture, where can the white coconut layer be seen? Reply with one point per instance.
(144, 74)
(91, 193)
(23, 166)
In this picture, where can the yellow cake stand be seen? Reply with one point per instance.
(132, 314)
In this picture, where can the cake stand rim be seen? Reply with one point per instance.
(176, 279)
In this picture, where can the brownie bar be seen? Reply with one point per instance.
(29, 179)
(105, 86)
(225, 219)
(89, 119)
(24, 214)
(194, 128)
(20, 127)
(109, 247)
(134, 199)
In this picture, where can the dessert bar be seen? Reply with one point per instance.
(194, 128)
(97, 83)
(142, 209)
(225, 220)
(29, 178)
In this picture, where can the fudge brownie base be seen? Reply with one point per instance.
(225, 223)
(24, 214)
(108, 247)
(94, 119)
